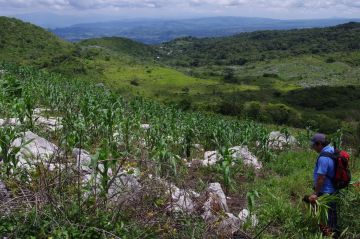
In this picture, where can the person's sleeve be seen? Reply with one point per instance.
(323, 166)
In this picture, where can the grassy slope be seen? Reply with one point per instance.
(133, 62)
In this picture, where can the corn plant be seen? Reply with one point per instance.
(319, 210)
(8, 152)
(225, 166)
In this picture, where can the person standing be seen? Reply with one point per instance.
(324, 172)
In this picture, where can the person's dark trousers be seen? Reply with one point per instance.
(333, 216)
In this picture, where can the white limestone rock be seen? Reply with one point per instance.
(244, 216)
(10, 122)
(210, 158)
(238, 152)
(50, 123)
(83, 159)
(34, 149)
(243, 153)
(228, 225)
(278, 140)
(145, 126)
(39, 111)
(124, 188)
(182, 200)
(215, 203)
(216, 212)
(4, 193)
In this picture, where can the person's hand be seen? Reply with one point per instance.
(313, 198)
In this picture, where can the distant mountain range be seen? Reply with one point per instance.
(155, 31)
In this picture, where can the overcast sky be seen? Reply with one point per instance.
(98, 10)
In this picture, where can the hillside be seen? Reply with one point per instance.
(170, 73)
(122, 46)
(27, 43)
(156, 31)
(261, 46)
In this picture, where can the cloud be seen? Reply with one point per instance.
(84, 4)
(105, 4)
(279, 3)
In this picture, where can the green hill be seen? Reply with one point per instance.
(26, 43)
(122, 46)
(261, 46)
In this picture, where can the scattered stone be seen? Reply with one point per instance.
(199, 147)
(238, 152)
(39, 111)
(83, 159)
(4, 193)
(34, 149)
(100, 85)
(278, 140)
(210, 158)
(145, 126)
(182, 200)
(229, 225)
(10, 122)
(124, 188)
(244, 217)
(215, 203)
(243, 153)
(216, 212)
(49, 123)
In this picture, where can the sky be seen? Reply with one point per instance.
(66, 12)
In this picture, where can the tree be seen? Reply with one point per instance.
(229, 76)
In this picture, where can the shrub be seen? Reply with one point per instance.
(270, 75)
(321, 122)
(184, 104)
(253, 110)
(134, 82)
(282, 114)
(230, 108)
(229, 76)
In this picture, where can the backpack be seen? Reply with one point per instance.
(341, 160)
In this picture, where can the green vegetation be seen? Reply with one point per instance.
(221, 75)
(275, 77)
(93, 115)
(122, 46)
(261, 46)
